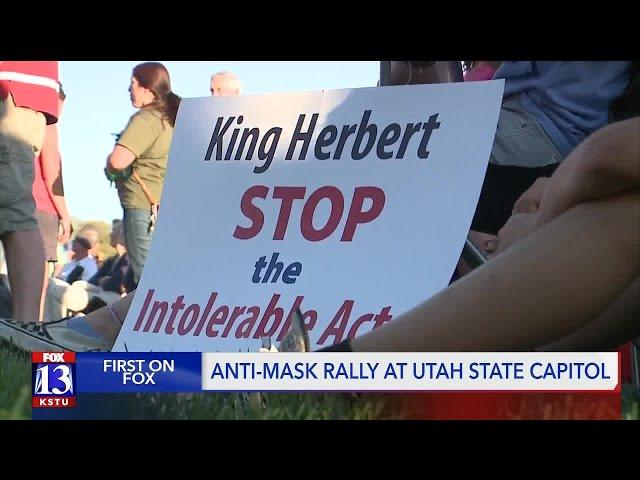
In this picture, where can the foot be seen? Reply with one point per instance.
(54, 336)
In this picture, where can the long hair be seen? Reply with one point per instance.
(155, 77)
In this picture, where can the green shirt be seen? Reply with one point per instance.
(148, 136)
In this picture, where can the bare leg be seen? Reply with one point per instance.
(25, 264)
(103, 322)
(43, 295)
(541, 289)
(615, 326)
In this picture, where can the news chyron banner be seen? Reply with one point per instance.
(444, 385)
(350, 205)
(58, 377)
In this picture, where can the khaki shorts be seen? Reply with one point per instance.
(21, 138)
(49, 224)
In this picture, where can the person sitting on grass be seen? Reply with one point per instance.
(108, 284)
(572, 283)
(82, 267)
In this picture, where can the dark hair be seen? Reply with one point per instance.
(155, 77)
(61, 94)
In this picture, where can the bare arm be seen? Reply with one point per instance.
(606, 163)
(52, 172)
(120, 158)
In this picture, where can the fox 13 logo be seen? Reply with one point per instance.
(53, 379)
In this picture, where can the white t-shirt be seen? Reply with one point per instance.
(88, 263)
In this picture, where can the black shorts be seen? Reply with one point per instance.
(502, 187)
(48, 225)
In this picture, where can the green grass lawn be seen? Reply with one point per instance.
(15, 401)
(15, 384)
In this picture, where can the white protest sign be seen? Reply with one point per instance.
(352, 205)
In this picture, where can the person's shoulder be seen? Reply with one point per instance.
(90, 261)
(142, 114)
(154, 119)
(150, 115)
(141, 123)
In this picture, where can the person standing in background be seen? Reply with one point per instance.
(224, 84)
(138, 161)
(28, 102)
(52, 213)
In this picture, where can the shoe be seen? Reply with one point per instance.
(53, 336)
(297, 338)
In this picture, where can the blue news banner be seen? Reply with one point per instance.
(138, 372)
